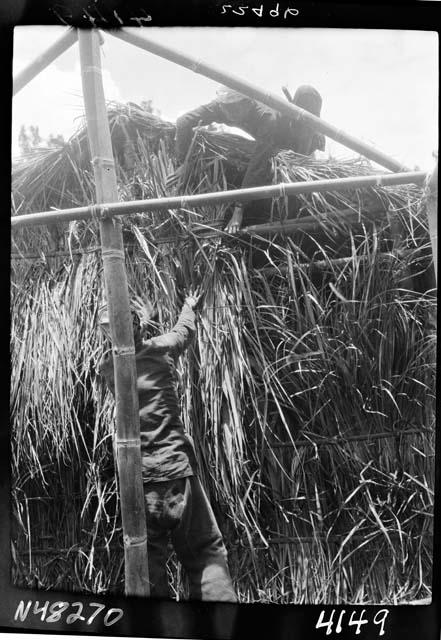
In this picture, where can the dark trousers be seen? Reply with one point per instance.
(179, 510)
(259, 174)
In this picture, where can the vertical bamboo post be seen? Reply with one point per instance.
(398, 234)
(127, 416)
(432, 210)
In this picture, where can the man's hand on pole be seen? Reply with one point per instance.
(288, 95)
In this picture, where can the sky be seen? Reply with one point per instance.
(380, 86)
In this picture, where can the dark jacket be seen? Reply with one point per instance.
(262, 123)
(167, 452)
(271, 130)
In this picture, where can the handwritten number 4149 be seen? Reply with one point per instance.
(357, 622)
(259, 11)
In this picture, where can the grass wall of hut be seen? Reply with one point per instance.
(309, 391)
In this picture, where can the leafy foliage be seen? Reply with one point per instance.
(30, 139)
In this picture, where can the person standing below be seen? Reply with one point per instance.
(177, 508)
(271, 130)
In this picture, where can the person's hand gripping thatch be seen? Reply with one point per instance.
(194, 297)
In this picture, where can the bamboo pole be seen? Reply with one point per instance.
(336, 538)
(431, 194)
(339, 440)
(319, 264)
(281, 270)
(270, 99)
(44, 60)
(398, 233)
(111, 209)
(127, 414)
(314, 223)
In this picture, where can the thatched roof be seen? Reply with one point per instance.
(309, 391)
(63, 177)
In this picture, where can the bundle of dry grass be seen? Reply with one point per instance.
(309, 390)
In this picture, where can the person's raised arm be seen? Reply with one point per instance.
(206, 114)
(180, 336)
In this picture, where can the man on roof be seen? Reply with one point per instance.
(177, 508)
(271, 130)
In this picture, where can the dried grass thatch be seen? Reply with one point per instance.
(309, 390)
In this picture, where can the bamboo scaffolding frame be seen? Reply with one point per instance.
(269, 99)
(207, 230)
(108, 210)
(102, 167)
(127, 413)
(43, 60)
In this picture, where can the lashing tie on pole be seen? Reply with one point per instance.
(99, 212)
(122, 352)
(102, 161)
(135, 541)
(95, 212)
(194, 66)
(113, 254)
(282, 190)
(129, 442)
(92, 69)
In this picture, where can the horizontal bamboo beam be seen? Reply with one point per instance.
(313, 223)
(53, 254)
(245, 543)
(108, 210)
(281, 270)
(336, 538)
(342, 440)
(319, 264)
(44, 60)
(270, 99)
(70, 550)
(321, 538)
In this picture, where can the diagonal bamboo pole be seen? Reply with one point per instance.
(270, 99)
(240, 195)
(127, 417)
(42, 61)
